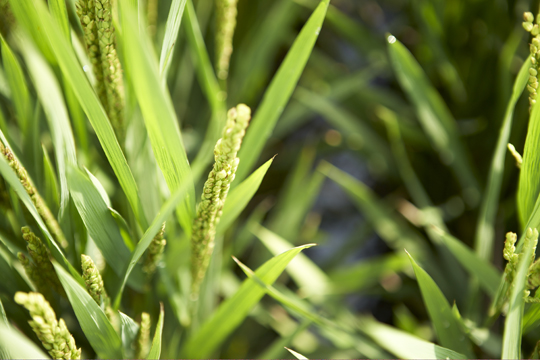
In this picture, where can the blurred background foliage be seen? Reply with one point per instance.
(471, 50)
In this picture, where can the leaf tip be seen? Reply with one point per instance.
(390, 38)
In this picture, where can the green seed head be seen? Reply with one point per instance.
(215, 192)
(54, 334)
(92, 278)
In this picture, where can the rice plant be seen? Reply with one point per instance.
(145, 213)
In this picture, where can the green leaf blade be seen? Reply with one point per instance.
(280, 90)
(434, 116)
(155, 350)
(235, 309)
(94, 323)
(158, 112)
(446, 326)
(404, 345)
(14, 345)
(513, 323)
(240, 196)
(488, 276)
(98, 220)
(171, 33)
(485, 231)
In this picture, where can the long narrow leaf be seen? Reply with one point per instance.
(51, 98)
(235, 309)
(529, 187)
(14, 345)
(29, 17)
(171, 33)
(209, 84)
(340, 333)
(165, 211)
(280, 90)
(404, 345)
(129, 330)
(512, 326)
(488, 276)
(94, 323)
(98, 220)
(307, 275)
(158, 112)
(485, 230)
(59, 13)
(434, 116)
(446, 326)
(240, 196)
(18, 87)
(155, 350)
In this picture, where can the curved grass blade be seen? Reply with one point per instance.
(512, 325)
(485, 230)
(446, 326)
(235, 309)
(297, 197)
(488, 276)
(12, 179)
(339, 332)
(279, 91)
(94, 323)
(14, 345)
(29, 17)
(98, 220)
(51, 183)
(171, 33)
(52, 100)
(205, 72)
(18, 87)
(209, 85)
(404, 345)
(434, 116)
(158, 112)
(240, 196)
(155, 350)
(59, 13)
(529, 187)
(129, 329)
(74, 74)
(258, 49)
(307, 275)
